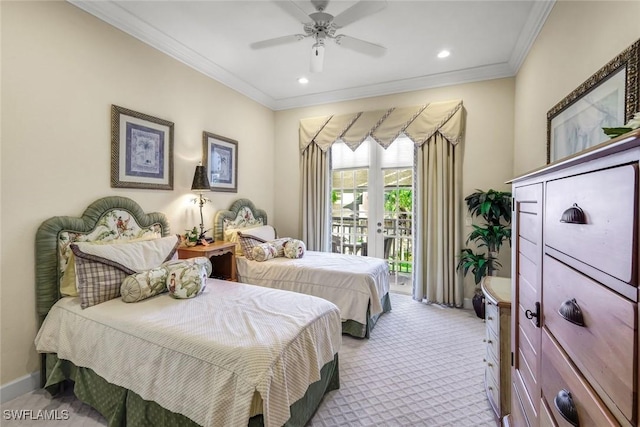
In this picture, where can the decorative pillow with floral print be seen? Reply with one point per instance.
(294, 248)
(279, 244)
(186, 281)
(146, 284)
(264, 252)
(201, 260)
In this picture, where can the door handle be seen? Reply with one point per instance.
(530, 314)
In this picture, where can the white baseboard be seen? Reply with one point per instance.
(19, 387)
(466, 304)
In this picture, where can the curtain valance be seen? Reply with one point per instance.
(419, 123)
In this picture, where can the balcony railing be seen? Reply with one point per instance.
(349, 236)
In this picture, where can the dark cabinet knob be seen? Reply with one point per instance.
(534, 314)
(566, 408)
(570, 310)
(574, 215)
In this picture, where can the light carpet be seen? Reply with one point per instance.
(422, 366)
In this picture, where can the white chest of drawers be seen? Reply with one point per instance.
(497, 376)
(575, 290)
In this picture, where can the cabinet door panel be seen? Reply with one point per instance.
(525, 340)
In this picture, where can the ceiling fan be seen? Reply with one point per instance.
(321, 26)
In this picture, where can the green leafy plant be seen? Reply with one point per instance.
(491, 236)
(495, 209)
(477, 263)
(491, 205)
(191, 236)
(402, 198)
(334, 196)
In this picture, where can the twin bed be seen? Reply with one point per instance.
(358, 285)
(234, 355)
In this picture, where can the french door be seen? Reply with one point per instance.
(372, 202)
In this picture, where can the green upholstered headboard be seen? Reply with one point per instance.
(241, 213)
(109, 218)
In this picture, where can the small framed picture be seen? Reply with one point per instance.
(220, 156)
(141, 150)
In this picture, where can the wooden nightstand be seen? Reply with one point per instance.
(221, 254)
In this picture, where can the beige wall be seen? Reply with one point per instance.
(488, 144)
(61, 71)
(578, 38)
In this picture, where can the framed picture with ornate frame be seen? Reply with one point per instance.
(609, 98)
(141, 150)
(220, 157)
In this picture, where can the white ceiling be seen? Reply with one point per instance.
(487, 39)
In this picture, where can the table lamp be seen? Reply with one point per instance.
(200, 184)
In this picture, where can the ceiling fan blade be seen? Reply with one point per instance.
(357, 11)
(362, 46)
(294, 10)
(277, 41)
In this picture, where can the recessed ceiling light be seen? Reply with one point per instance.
(303, 80)
(443, 54)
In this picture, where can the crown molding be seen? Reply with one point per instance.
(470, 75)
(539, 13)
(111, 13)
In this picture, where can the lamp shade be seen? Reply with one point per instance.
(200, 180)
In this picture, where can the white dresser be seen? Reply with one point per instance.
(575, 290)
(497, 375)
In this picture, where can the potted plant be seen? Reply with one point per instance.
(494, 207)
(190, 238)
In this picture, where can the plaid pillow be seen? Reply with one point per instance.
(99, 279)
(248, 243)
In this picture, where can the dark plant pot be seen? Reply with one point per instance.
(478, 304)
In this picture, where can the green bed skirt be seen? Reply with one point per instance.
(357, 329)
(123, 407)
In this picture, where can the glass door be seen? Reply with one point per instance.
(372, 204)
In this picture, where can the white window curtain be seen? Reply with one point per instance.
(436, 129)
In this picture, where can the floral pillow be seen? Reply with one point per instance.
(201, 260)
(294, 248)
(146, 284)
(186, 281)
(279, 244)
(264, 252)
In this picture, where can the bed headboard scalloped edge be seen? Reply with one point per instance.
(48, 237)
(232, 214)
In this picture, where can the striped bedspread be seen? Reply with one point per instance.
(205, 357)
(351, 282)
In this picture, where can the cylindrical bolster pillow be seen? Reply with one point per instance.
(186, 281)
(264, 252)
(143, 285)
(294, 248)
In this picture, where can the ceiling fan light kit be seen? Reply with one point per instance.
(321, 26)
